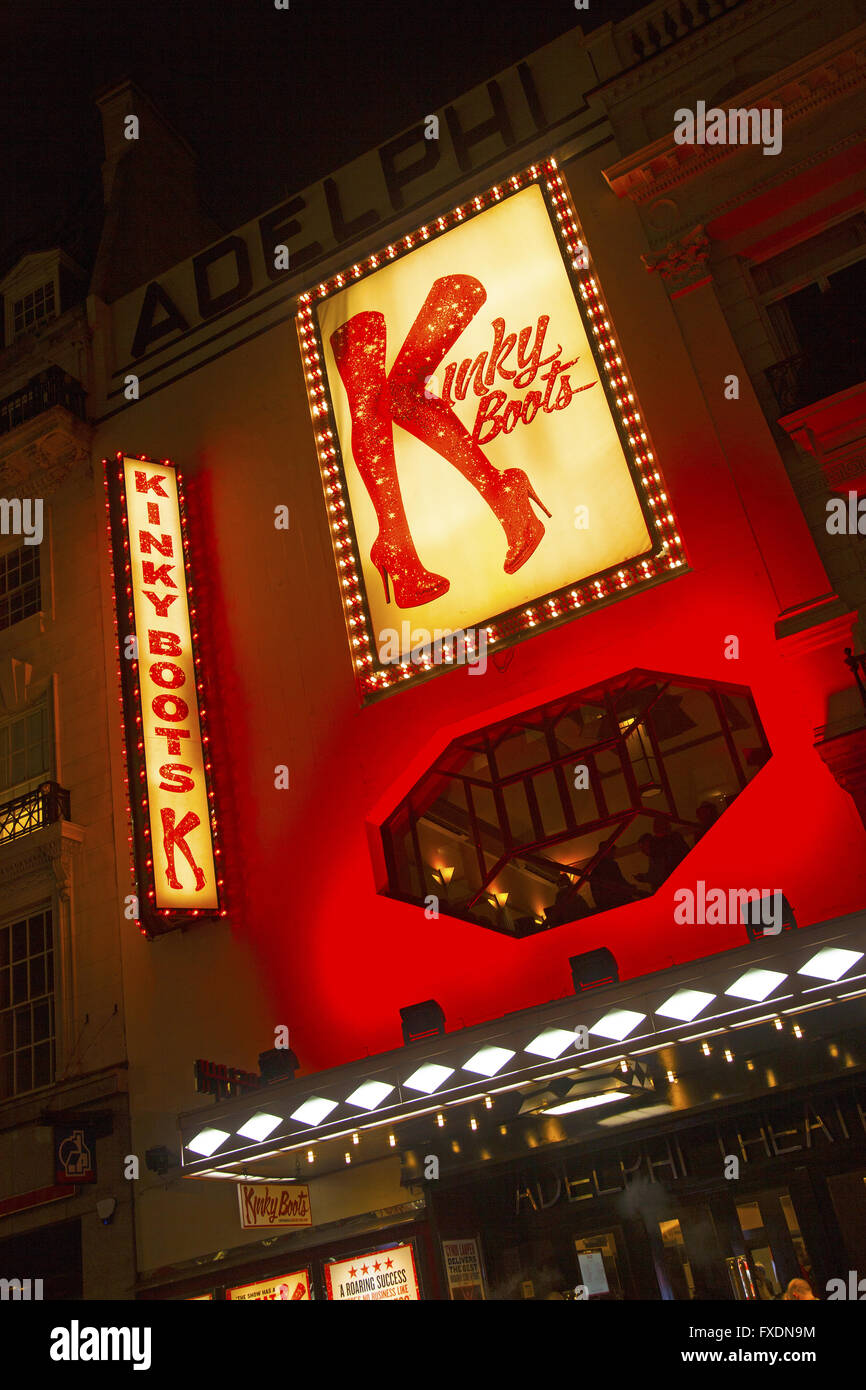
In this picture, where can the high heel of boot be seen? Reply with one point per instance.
(537, 500)
(523, 529)
(383, 575)
(413, 584)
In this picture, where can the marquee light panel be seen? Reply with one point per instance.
(439, 1080)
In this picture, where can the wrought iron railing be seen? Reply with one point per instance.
(25, 814)
(51, 387)
(806, 378)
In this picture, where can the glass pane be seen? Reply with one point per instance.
(23, 1071)
(517, 811)
(677, 1266)
(6, 1032)
(22, 1028)
(7, 1075)
(37, 934)
(42, 1065)
(485, 812)
(4, 945)
(797, 1240)
(4, 989)
(582, 727)
(37, 976)
(19, 940)
(597, 1266)
(550, 809)
(19, 983)
(613, 783)
(751, 1221)
(524, 749)
(767, 1284)
(41, 1021)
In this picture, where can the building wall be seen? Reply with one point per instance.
(67, 866)
(310, 942)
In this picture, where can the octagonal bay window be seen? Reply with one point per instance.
(579, 806)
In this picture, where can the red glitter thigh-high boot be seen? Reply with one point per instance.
(452, 303)
(359, 352)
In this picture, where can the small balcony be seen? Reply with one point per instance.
(44, 434)
(42, 392)
(806, 378)
(26, 814)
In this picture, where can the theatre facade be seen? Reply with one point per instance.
(487, 775)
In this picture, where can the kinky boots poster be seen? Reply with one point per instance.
(491, 452)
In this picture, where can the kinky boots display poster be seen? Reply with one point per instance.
(486, 468)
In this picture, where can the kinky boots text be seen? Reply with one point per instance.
(491, 418)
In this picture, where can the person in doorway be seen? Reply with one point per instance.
(762, 1283)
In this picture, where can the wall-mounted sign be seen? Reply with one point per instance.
(544, 91)
(74, 1153)
(216, 1079)
(486, 470)
(274, 1204)
(290, 1288)
(383, 1274)
(463, 1268)
(170, 792)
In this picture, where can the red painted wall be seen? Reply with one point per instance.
(336, 959)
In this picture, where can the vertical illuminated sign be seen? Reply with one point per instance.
(170, 792)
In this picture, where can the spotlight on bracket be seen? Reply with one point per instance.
(761, 918)
(422, 1021)
(160, 1159)
(279, 1064)
(593, 969)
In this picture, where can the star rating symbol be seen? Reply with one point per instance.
(388, 1264)
(353, 1273)
(365, 1269)
(377, 1266)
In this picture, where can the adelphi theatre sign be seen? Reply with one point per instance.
(171, 799)
(486, 470)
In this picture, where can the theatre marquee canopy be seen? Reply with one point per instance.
(486, 470)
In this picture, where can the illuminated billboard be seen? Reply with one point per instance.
(170, 793)
(486, 469)
(387, 1275)
(287, 1288)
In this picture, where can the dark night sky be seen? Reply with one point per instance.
(270, 100)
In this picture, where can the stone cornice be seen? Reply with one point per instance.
(802, 89)
(42, 860)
